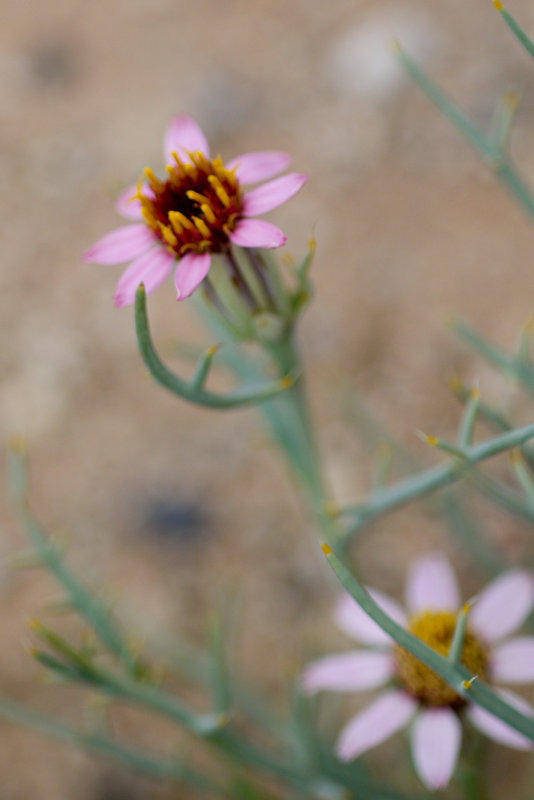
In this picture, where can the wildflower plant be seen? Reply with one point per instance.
(441, 663)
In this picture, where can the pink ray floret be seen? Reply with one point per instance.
(156, 243)
(435, 731)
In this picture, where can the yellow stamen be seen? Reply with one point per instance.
(191, 171)
(176, 224)
(326, 549)
(148, 216)
(173, 175)
(182, 219)
(208, 213)
(201, 227)
(497, 4)
(199, 198)
(199, 160)
(167, 234)
(154, 182)
(219, 190)
(138, 195)
(178, 164)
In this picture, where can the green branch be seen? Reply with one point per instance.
(416, 486)
(192, 391)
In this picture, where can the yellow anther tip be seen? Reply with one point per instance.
(212, 350)
(515, 457)
(331, 509)
(469, 683)
(511, 100)
(286, 382)
(455, 383)
(326, 549)
(17, 443)
(497, 4)
(34, 625)
(431, 440)
(466, 608)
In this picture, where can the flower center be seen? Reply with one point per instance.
(196, 208)
(436, 629)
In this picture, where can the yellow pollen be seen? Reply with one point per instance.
(199, 198)
(219, 190)
(201, 227)
(154, 182)
(436, 629)
(181, 219)
(208, 213)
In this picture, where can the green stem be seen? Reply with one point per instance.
(428, 481)
(190, 392)
(288, 419)
(104, 746)
(516, 29)
(494, 156)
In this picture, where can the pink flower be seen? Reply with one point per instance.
(197, 210)
(415, 695)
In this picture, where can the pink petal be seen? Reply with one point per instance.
(257, 233)
(254, 167)
(432, 585)
(513, 661)
(191, 270)
(120, 245)
(375, 724)
(496, 729)
(149, 268)
(355, 622)
(503, 605)
(436, 738)
(183, 136)
(348, 671)
(129, 208)
(272, 194)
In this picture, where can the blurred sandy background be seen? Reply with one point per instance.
(170, 506)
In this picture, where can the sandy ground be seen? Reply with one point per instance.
(410, 228)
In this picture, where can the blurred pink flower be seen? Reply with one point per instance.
(199, 209)
(416, 696)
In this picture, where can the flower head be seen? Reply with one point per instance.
(415, 695)
(198, 209)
